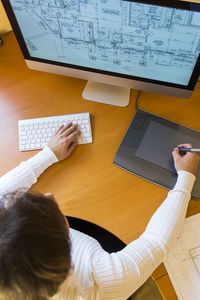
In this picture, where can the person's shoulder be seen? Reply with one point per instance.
(83, 244)
(83, 247)
(80, 237)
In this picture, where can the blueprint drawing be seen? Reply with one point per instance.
(124, 37)
(183, 261)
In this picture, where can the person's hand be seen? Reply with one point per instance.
(187, 162)
(64, 141)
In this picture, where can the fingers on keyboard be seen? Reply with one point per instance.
(68, 130)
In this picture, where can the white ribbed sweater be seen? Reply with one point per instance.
(95, 273)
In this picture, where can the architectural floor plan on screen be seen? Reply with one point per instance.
(183, 261)
(119, 36)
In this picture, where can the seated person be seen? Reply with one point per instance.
(42, 258)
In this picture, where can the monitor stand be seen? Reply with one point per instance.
(106, 93)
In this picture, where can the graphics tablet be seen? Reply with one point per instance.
(146, 150)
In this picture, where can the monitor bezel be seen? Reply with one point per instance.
(192, 6)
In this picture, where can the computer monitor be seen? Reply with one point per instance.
(144, 44)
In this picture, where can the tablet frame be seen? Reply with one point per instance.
(126, 159)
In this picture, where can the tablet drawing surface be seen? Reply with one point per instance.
(158, 143)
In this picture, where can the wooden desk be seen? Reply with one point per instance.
(88, 185)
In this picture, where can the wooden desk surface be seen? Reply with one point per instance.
(88, 185)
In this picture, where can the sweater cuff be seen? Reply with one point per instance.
(41, 161)
(185, 181)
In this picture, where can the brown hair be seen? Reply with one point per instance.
(34, 247)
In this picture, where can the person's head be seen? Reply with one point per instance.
(34, 247)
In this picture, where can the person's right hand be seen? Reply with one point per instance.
(188, 162)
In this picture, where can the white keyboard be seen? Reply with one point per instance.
(35, 133)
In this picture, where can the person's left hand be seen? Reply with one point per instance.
(64, 141)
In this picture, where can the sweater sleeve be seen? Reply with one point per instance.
(26, 174)
(120, 274)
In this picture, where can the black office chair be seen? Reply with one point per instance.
(111, 243)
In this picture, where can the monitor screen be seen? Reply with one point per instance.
(157, 41)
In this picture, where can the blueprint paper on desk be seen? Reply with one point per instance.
(183, 261)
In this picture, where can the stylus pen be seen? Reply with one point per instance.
(188, 149)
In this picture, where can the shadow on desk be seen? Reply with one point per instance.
(111, 243)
